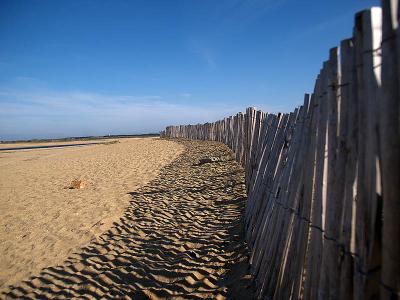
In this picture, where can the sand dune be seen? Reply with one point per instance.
(180, 238)
(41, 222)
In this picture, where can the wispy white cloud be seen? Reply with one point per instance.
(233, 16)
(48, 113)
(25, 78)
(204, 52)
(228, 17)
(240, 13)
(186, 95)
(315, 29)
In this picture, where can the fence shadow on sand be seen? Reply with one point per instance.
(181, 237)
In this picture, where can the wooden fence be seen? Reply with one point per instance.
(323, 211)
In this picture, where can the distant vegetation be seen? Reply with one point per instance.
(111, 142)
(83, 138)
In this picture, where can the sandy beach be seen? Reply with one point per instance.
(181, 237)
(42, 222)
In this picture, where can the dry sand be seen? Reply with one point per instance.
(55, 143)
(181, 237)
(42, 223)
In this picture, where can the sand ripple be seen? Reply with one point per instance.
(42, 223)
(181, 238)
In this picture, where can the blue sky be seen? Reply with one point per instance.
(71, 68)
